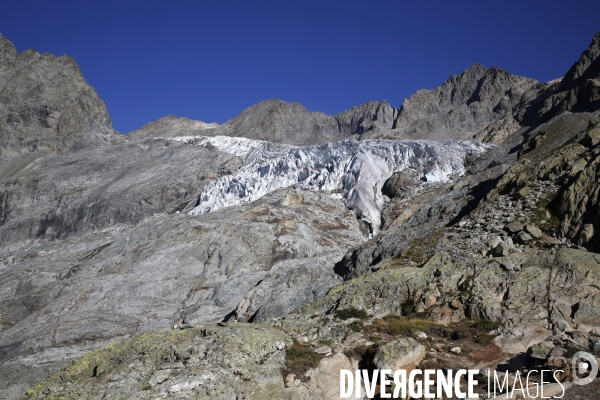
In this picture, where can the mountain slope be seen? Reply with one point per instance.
(46, 104)
(579, 90)
(463, 105)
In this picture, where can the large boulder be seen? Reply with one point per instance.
(541, 350)
(403, 353)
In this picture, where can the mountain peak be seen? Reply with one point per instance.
(173, 126)
(7, 49)
(63, 112)
(577, 91)
(476, 67)
(587, 67)
(463, 105)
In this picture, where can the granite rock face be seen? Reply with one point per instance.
(48, 196)
(462, 106)
(255, 262)
(46, 105)
(563, 150)
(550, 291)
(578, 91)
(370, 117)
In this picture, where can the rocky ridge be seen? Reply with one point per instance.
(579, 90)
(463, 107)
(278, 121)
(46, 105)
(173, 126)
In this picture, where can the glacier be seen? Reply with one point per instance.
(353, 171)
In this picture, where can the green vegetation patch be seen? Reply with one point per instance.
(484, 325)
(571, 350)
(395, 325)
(99, 365)
(356, 326)
(351, 312)
(478, 330)
(420, 250)
(299, 359)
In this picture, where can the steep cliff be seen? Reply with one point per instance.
(463, 105)
(47, 105)
(578, 91)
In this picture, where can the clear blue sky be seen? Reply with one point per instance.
(209, 60)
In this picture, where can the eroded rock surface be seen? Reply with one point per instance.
(47, 105)
(463, 105)
(60, 298)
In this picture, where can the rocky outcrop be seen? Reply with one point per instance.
(551, 290)
(178, 364)
(578, 204)
(172, 126)
(462, 106)
(46, 105)
(371, 117)
(578, 91)
(565, 150)
(62, 298)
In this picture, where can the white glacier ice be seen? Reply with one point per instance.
(356, 170)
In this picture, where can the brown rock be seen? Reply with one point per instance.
(455, 304)
(430, 300)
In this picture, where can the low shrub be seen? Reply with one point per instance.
(356, 326)
(348, 313)
(396, 325)
(299, 359)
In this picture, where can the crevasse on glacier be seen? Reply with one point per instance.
(356, 169)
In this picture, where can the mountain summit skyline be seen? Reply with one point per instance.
(211, 61)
